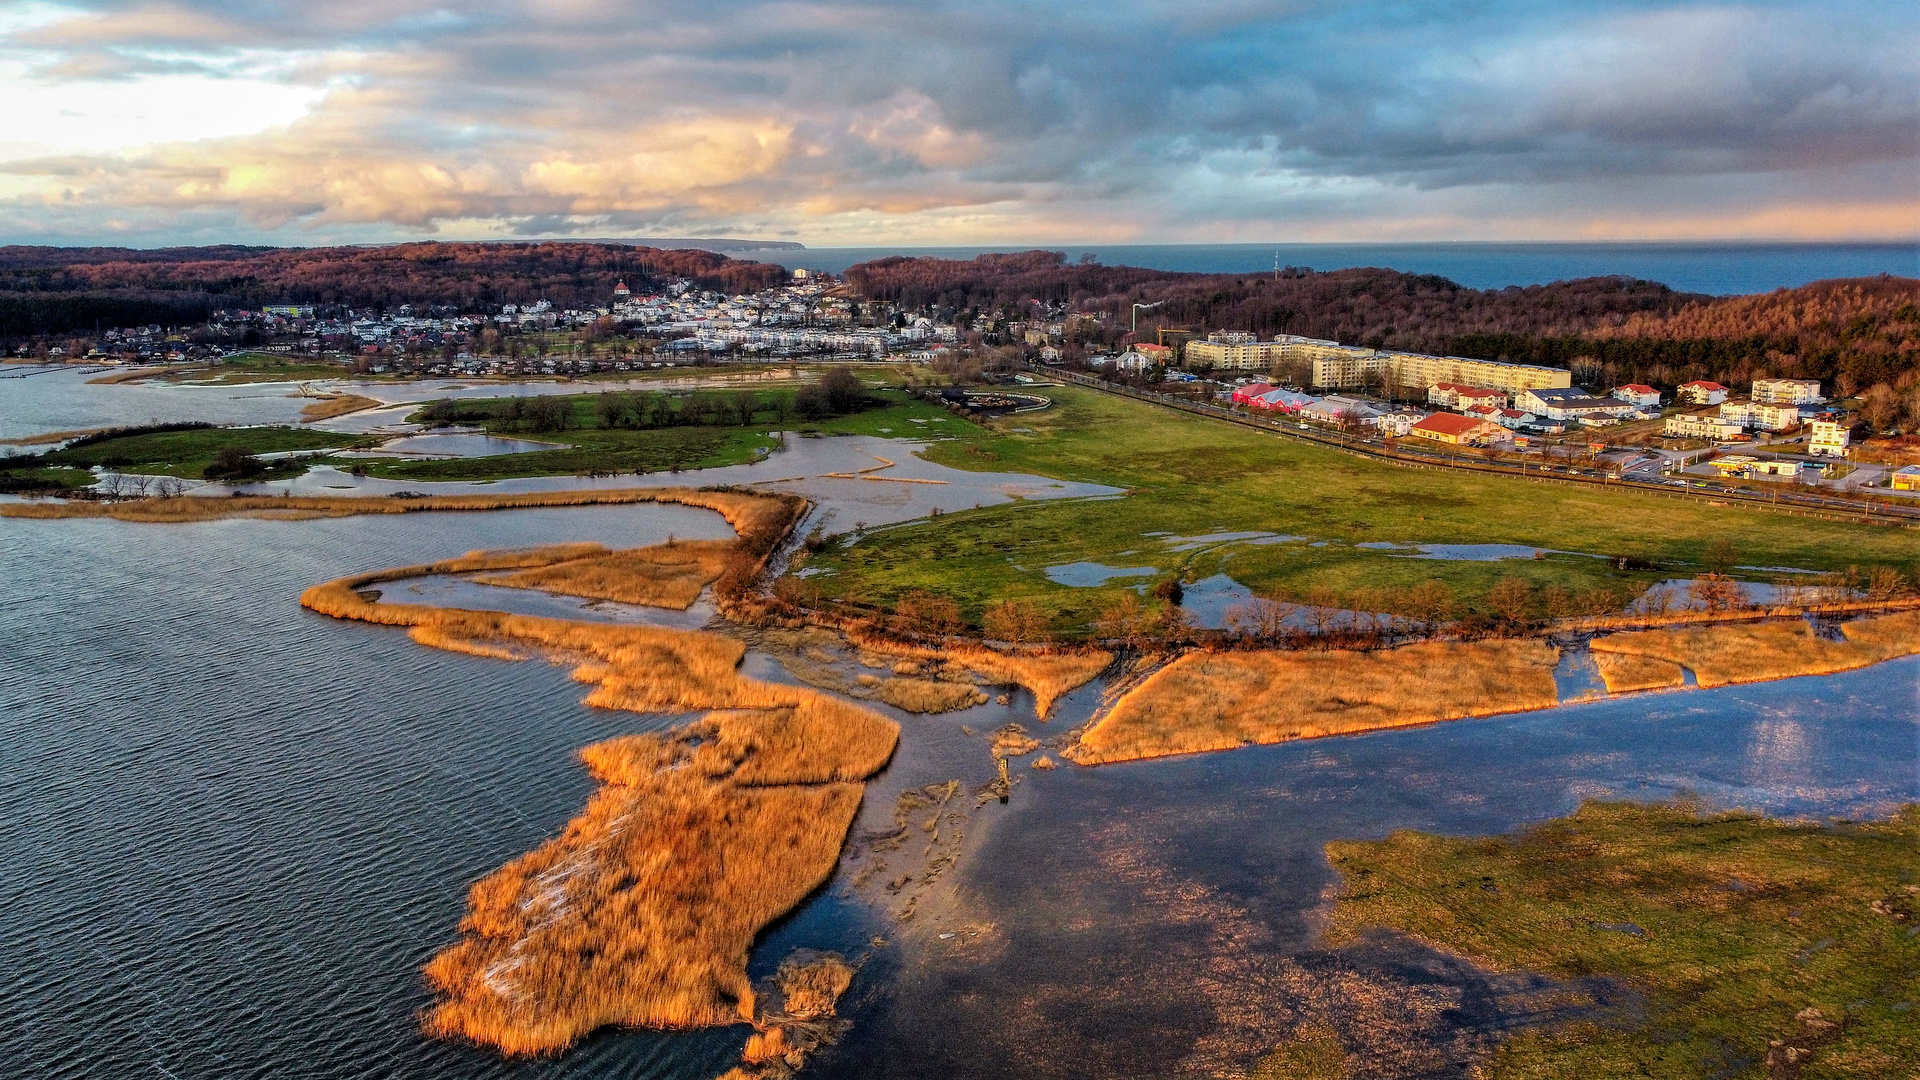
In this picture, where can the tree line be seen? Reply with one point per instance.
(52, 290)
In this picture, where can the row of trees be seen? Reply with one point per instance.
(1329, 619)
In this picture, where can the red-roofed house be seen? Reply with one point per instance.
(1639, 395)
(621, 291)
(1461, 396)
(1702, 392)
(1456, 430)
(1244, 394)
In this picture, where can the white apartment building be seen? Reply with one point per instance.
(1702, 426)
(1760, 416)
(1787, 391)
(1830, 438)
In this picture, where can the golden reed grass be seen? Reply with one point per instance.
(334, 405)
(1216, 701)
(1626, 672)
(928, 695)
(1759, 651)
(643, 910)
(1047, 675)
(664, 575)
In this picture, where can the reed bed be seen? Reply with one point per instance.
(664, 575)
(334, 405)
(1626, 672)
(1217, 701)
(928, 695)
(1756, 652)
(643, 910)
(1047, 675)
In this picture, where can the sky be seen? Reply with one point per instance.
(957, 122)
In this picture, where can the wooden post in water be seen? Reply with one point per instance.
(1006, 782)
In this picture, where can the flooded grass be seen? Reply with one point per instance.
(1628, 672)
(1764, 947)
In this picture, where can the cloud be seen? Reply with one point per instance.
(991, 121)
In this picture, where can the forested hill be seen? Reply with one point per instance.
(1857, 332)
(50, 290)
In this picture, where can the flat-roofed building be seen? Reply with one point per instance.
(1417, 369)
(1787, 391)
(1702, 426)
(1762, 417)
(1341, 366)
(1829, 438)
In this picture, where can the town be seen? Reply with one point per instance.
(1780, 432)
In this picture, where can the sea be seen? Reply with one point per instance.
(1721, 268)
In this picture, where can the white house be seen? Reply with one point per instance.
(1702, 392)
(1398, 424)
(1638, 395)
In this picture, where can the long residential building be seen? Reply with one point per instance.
(1336, 366)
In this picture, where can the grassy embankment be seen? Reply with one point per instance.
(597, 447)
(1187, 476)
(1218, 701)
(188, 453)
(1764, 948)
(643, 910)
(1749, 652)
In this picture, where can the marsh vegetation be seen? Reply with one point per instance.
(1764, 948)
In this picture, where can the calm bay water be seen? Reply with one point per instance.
(234, 829)
(1717, 268)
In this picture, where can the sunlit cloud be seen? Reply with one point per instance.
(942, 121)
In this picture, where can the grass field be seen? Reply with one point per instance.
(1186, 476)
(1764, 948)
(625, 450)
(261, 367)
(188, 453)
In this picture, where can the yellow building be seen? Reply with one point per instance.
(1905, 478)
(1416, 369)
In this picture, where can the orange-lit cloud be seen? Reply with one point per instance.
(863, 121)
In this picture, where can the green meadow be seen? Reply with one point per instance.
(1185, 477)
